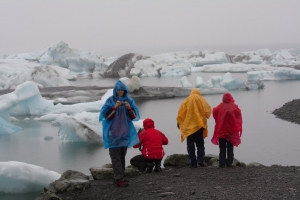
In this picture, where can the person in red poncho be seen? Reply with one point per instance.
(151, 145)
(228, 129)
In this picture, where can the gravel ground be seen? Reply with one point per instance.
(274, 182)
(201, 183)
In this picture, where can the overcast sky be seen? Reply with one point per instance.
(116, 27)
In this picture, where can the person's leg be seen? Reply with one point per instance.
(123, 154)
(157, 165)
(139, 162)
(190, 140)
(230, 154)
(222, 155)
(115, 156)
(200, 146)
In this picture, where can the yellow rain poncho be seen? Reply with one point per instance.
(193, 114)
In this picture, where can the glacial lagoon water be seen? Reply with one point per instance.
(266, 139)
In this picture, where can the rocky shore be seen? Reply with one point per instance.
(178, 181)
(201, 183)
(290, 111)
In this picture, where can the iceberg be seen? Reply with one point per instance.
(280, 74)
(16, 72)
(18, 177)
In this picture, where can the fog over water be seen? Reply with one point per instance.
(114, 28)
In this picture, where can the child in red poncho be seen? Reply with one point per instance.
(151, 141)
(228, 129)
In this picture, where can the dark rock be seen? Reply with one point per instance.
(123, 63)
(69, 181)
(177, 160)
(106, 172)
(290, 111)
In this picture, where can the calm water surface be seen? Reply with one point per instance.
(266, 139)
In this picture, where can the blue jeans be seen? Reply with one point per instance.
(191, 140)
(225, 145)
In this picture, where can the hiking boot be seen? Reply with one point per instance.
(193, 166)
(121, 183)
(157, 168)
(149, 167)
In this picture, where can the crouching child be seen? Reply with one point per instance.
(151, 145)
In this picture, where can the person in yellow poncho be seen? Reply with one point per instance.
(192, 122)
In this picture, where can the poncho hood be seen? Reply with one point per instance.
(193, 114)
(148, 123)
(228, 121)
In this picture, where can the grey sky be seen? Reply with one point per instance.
(113, 27)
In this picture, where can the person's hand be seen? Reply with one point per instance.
(118, 103)
(127, 105)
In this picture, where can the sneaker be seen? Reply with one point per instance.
(149, 167)
(121, 183)
(221, 166)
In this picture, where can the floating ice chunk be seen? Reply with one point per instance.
(73, 129)
(7, 128)
(183, 82)
(177, 70)
(280, 74)
(231, 83)
(18, 178)
(49, 117)
(132, 84)
(30, 101)
(216, 81)
(201, 84)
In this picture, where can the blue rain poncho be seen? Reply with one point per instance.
(119, 131)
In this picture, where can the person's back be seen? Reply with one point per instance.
(228, 129)
(153, 141)
(151, 144)
(192, 123)
(228, 119)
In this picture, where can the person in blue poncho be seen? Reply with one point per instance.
(119, 133)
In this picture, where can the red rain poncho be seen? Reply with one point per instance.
(228, 119)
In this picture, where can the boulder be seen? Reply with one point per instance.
(177, 160)
(48, 195)
(106, 172)
(69, 181)
(255, 164)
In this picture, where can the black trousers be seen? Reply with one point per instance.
(117, 156)
(140, 162)
(225, 146)
(192, 140)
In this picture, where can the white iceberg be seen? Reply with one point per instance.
(18, 177)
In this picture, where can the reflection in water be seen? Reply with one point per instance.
(77, 156)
